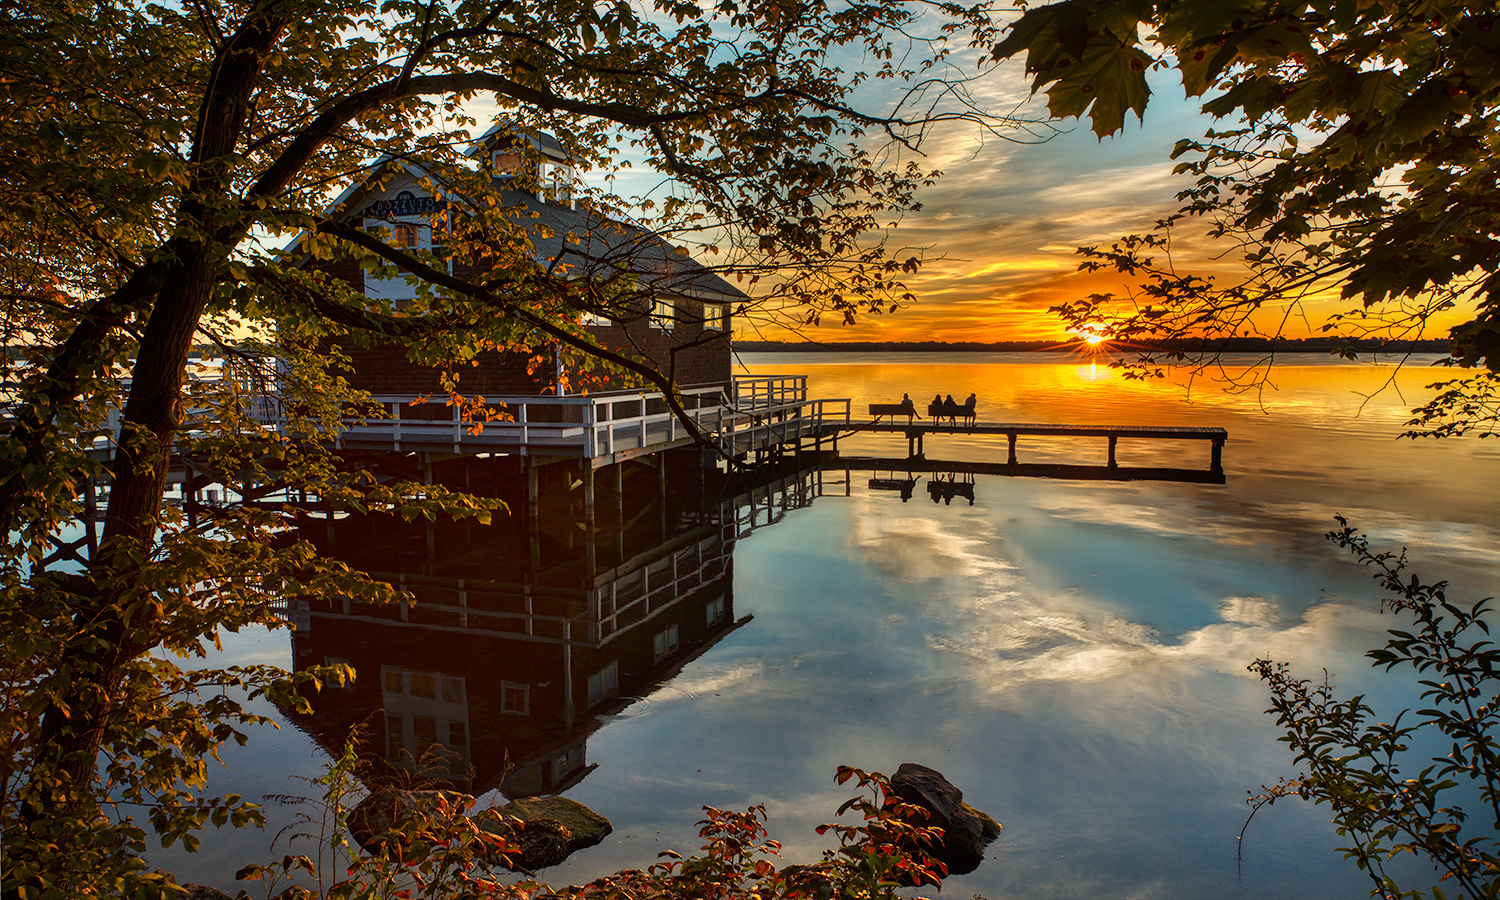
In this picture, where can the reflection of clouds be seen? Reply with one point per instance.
(698, 680)
(1248, 610)
(1027, 641)
(913, 548)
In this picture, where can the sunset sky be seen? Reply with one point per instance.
(1000, 228)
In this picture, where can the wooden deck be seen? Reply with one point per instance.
(755, 414)
(916, 433)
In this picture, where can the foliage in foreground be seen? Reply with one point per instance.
(155, 155)
(446, 851)
(1363, 769)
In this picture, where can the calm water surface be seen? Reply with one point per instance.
(1070, 653)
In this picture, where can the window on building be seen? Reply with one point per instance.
(556, 182)
(604, 683)
(715, 317)
(714, 611)
(508, 162)
(408, 235)
(515, 699)
(423, 684)
(595, 320)
(663, 312)
(665, 643)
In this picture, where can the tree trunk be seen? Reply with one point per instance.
(112, 625)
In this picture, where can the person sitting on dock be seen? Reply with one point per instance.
(970, 411)
(935, 408)
(909, 408)
(951, 410)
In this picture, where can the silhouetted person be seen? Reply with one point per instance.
(909, 408)
(970, 412)
(935, 408)
(951, 410)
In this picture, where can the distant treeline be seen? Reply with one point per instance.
(1230, 345)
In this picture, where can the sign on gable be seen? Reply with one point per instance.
(404, 203)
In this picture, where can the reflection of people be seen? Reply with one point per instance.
(970, 413)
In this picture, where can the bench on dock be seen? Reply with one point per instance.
(893, 409)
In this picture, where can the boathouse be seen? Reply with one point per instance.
(676, 314)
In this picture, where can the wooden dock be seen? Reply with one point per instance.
(916, 433)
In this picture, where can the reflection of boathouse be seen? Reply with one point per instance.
(502, 668)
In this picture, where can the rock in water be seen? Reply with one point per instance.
(372, 818)
(965, 829)
(542, 831)
(586, 826)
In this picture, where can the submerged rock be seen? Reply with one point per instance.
(966, 830)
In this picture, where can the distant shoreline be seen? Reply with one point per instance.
(1234, 345)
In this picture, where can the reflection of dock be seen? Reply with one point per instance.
(916, 433)
(888, 471)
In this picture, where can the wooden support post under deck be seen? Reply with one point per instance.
(619, 511)
(533, 514)
(1113, 440)
(431, 547)
(1216, 462)
(190, 495)
(1010, 440)
(590, 530)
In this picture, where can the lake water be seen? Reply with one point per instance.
(1071, 654)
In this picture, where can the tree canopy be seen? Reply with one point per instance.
(157, 156)
(1357, 159)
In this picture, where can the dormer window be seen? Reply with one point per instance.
(556, 181)
(509, 162)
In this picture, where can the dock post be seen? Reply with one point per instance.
(1113, 440)
(1010, 440)
(1216, 461)
(533, 510)
(190, 494)
(619, 511)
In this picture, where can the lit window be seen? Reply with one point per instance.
(663, 311)
(594, 320)
(715, 317)
(508, 163)
(515, 699)
(408, 235)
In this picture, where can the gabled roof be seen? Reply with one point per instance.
(601, 248)
(546, 143)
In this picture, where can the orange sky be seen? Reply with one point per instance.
(1002, 226)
